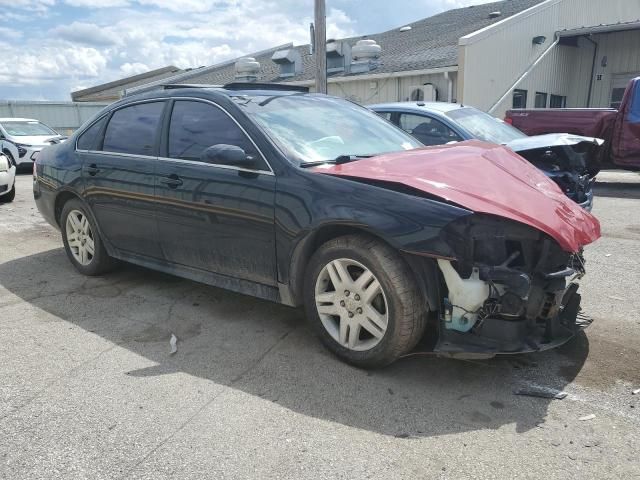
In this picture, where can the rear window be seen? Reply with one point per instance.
(134, 129)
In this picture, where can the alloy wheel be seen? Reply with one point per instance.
(351, 304)
(80, 237)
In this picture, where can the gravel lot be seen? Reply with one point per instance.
(88, 388)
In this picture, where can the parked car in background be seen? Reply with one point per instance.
(313, 201)
(619, 128)
(21, 139)
(7, 179)
(571, 161)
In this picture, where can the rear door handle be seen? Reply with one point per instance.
(172, 181)
(92, 169)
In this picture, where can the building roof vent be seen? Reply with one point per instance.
(495, 14)
(338, 56)
(366, 50)
(405, 28)
(247, 69)
(365, 55)
(290, 62)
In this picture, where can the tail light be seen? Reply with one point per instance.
(508, 120)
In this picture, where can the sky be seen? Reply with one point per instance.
(52, 47)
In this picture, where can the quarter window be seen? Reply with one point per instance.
(196, 126)
(87, 139)
(133, 129)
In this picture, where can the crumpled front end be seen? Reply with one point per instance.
(511, 289)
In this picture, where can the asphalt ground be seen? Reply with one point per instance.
(89, 390)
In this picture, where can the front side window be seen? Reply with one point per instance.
(483, 126)
(196, 126)
(88, 139)
(134, 129)
(310, 128)
(428, 130)
(27, 129)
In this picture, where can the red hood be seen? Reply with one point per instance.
(484, 178)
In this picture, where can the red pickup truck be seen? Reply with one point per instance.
(619, 128)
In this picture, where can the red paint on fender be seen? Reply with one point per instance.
(485, 178)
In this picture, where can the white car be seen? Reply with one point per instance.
(21, 139)
(7, 179)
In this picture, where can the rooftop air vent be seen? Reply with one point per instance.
(338, 56)
(365, 55)
(405, 29)
(247, 69)
(290, 62)
(495, 14)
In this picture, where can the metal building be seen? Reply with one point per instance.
(63, 117)
(513, 53)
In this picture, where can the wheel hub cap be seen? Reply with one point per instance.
(80, 237)
(351, 304)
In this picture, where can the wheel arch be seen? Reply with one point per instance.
(424, 269)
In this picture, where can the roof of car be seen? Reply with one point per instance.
(439, 107)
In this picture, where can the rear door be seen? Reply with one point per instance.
(118, 172)
(212, 217)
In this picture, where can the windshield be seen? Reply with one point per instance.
(485, 127)
(27, 129)
(312, 128)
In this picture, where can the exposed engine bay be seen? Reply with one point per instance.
(511, 288)
(571, 161)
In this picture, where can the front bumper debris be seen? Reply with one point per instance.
(495, 336)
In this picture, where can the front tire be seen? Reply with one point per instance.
(82, 241)
(9, 197)
(363, 301)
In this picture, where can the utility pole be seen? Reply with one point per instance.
(320, 50)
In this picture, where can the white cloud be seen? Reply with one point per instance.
(130, 69)
(85, 33)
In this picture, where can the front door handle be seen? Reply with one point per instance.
(93, 169)
(172, 181)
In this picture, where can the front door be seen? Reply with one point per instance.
(214, 217)
(118, 173)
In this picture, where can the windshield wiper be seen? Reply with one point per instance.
(339, 160)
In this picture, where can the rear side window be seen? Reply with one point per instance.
(196, 126)
(134, 129)
(88, 139)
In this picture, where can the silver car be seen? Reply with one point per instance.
(21, 139)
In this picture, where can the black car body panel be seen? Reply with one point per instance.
(251, 230)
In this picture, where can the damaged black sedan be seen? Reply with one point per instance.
(315, 202)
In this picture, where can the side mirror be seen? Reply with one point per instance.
(232, 155)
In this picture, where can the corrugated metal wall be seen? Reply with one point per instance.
(390, 89)
(64, 117)
(494, 59)
(623, 59)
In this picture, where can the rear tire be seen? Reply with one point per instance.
(363, 301)
(82, 241)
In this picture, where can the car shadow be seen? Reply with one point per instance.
(267, 350)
